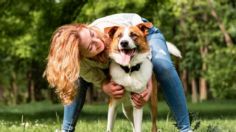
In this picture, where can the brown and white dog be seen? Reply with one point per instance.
(131, 68)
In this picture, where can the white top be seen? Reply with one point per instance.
(121, 19)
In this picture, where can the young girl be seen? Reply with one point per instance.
(79, 51)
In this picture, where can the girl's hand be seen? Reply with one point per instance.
(141, 98)
(113, 90)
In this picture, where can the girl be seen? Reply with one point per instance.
(79, 51)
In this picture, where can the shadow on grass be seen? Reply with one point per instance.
(47, 111)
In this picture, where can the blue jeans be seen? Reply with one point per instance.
(72, 111)
(167, 76)
(169, 80)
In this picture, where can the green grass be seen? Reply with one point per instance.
(213, 116)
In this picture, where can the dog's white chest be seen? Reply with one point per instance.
(133, 81)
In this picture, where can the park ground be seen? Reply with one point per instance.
(210, 116)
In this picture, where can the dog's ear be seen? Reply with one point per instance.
(144, 27)
(110, 31)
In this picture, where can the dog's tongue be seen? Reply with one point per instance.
(125, 58)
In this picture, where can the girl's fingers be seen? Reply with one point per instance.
(144, 94)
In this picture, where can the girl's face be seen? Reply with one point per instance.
(91, 43)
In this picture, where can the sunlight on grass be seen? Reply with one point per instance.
(121, 125)
(47, 117)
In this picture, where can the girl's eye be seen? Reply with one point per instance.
(91, 33)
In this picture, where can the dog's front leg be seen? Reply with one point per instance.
(138, 116)
(112, 111)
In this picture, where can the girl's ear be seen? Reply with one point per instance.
(144, 27)
(111, 31)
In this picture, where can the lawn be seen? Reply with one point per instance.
(211, 116)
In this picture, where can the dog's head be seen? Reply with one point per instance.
(128, 43)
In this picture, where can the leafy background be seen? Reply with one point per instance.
(204, 31)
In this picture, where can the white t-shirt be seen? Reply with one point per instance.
(121, 19)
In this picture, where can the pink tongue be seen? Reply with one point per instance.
(125, 58)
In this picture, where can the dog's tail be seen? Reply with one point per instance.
(173, 50)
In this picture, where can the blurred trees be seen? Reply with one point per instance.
(25, 36)
(204, 31)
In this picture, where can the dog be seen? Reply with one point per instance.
(131, 67)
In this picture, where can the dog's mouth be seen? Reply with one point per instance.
(127, 55)
(129, 52)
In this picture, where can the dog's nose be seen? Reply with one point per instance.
(124, 43)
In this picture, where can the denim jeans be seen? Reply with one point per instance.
(72, 111)
(167, 76)
(169, 80)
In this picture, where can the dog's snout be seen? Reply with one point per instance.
(124, 43)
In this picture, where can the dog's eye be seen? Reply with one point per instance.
(133, 35)
(119, 35)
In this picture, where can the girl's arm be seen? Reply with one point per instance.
(93, 72)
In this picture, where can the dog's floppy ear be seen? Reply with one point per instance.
(144, 27)
(110, 31)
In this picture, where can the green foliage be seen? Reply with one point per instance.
(26, 29)
(95, 9)
(192, 60)
(221, 72)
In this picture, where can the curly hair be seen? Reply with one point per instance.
(63, 67)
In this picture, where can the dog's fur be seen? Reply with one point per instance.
(131, 68)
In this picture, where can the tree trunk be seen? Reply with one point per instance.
(203, 85)
(31, 88)
(14, 88)
(1, 93)
(194, 91)
(227, 37)
(184, 78)
(203, 89)
(202, 81)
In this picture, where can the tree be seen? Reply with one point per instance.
(26, 30)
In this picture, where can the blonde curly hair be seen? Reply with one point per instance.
(63, 67)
